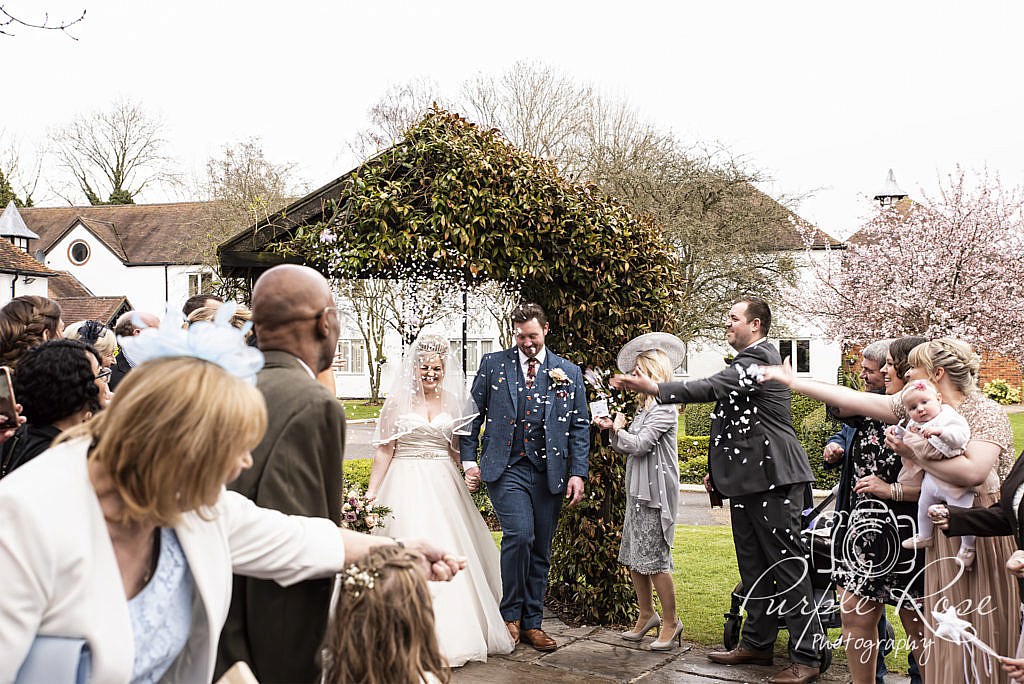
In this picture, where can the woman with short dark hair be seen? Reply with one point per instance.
(58, 386)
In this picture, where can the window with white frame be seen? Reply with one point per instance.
(799, 353)
(199, 283)
(475, 349)
(351, 357)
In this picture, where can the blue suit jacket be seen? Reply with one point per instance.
(566, 419)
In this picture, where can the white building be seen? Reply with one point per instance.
(144, 252)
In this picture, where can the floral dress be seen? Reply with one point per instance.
(868, 558)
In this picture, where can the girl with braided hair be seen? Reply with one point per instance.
(382, 631)
(25, 322)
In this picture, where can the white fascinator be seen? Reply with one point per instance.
(215, 341)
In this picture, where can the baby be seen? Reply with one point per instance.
(935, 431)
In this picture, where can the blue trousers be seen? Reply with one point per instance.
(528, 513)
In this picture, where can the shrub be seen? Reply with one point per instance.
(814, 432)
(693, 470)
(692, 447)
(697, 419)
(1001, 392)
(357, 472)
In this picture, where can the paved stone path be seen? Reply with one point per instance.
(595, 654)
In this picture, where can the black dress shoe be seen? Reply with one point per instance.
(742, 655)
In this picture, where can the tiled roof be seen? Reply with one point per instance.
(102, 309)
(867, 235)
(13, 260)
(136, 233)
(63, 284)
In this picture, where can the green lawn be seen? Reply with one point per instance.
(357, 409)
(1017, 422)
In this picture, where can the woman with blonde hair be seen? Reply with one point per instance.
(382, 629)
(652, 487)
(986, 597)
(132, 547)
(98, 336)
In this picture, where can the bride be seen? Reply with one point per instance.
(414, 473)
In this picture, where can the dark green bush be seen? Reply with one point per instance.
(693, 470)
(697, 419)
(814, 432)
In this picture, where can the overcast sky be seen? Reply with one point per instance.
(824, 97)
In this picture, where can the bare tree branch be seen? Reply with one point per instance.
(8, 20)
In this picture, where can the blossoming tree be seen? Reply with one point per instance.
(952, 265)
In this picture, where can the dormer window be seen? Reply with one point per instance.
(79, 252)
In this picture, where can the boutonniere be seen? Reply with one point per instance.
(558, 377)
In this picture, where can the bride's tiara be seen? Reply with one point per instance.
(432, 344)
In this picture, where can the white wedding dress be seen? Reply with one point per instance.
(428, 499)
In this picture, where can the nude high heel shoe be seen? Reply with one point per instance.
(677, 637)
(653, 623)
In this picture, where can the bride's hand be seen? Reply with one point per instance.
(371, 496)
(781, 374)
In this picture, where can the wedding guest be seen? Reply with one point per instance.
(952, 366)
(652, 487)
(134, 549)
(96, 335)
(129, 324)
(59, 386)
(241, 316)
(1002, 518)
(25, 322)
(756, 461)
(382, 629)
(870, 571)
(297, 471)
(897, 362)
(210, 301)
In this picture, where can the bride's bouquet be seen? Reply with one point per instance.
(360, 515)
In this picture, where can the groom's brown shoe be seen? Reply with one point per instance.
(513, 630)
(796, 674)
(539, 640)
(742, 655)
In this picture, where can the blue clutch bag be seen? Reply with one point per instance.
(56, 660)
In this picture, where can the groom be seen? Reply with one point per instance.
(534, 452)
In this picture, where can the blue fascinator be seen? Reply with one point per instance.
(218, 342)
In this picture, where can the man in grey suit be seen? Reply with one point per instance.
(756, 461)
(296, 470)
(534, 453)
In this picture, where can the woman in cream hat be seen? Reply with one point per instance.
(652, 486)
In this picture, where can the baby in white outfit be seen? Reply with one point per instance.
(935, 431)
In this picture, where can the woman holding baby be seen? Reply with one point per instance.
(985, 596)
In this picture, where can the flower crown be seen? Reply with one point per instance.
(355, 580)
(218, 342)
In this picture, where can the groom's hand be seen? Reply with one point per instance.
(636, 383)
(575, 490)
(472, 477)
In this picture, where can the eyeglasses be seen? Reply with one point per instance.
(104, 374)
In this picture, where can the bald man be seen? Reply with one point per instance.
(296, 470)
(127, 326)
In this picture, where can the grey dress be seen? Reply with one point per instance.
(652, 488)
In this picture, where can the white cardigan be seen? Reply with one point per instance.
(59, 577)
